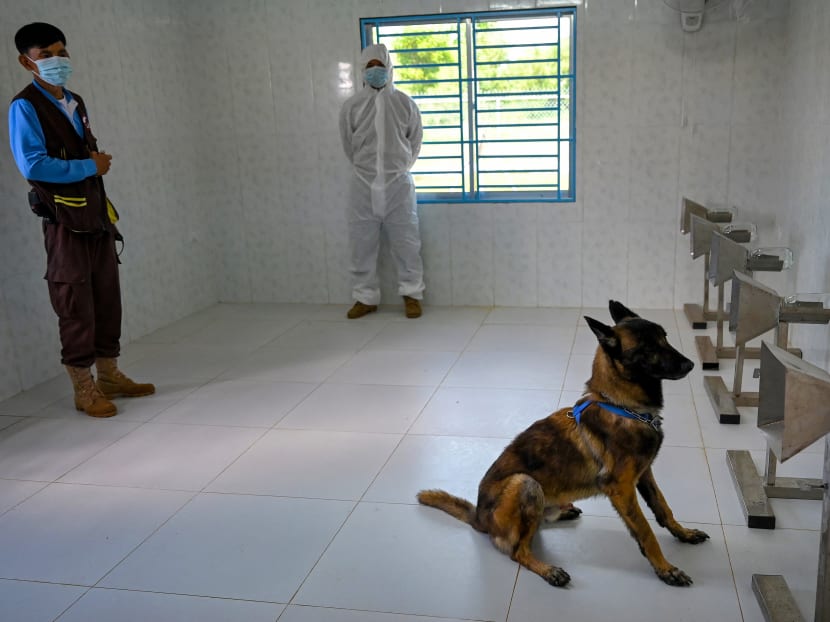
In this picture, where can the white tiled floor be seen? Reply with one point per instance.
(273, 477)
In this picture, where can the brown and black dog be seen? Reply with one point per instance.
(604, 445)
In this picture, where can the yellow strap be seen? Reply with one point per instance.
(113, 215)
(60, 196)
(70, 202)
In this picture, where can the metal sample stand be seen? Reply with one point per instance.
(790, 398)
(725, 257)
(696, 314)
(794, 412)
(756, 309)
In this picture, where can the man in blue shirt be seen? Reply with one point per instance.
(56, 152)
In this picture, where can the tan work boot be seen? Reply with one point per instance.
(88, 398)
(412, 306)
(359, 310)
(113, 383)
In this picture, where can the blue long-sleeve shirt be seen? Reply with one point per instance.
(29, 145)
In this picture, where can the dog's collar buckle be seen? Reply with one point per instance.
(655, 421)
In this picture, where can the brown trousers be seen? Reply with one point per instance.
(82, 273)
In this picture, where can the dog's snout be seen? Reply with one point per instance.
(686, 366)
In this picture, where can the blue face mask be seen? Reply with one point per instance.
(376, 76)
(54, 70)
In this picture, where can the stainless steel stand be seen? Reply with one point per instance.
(792, 398)
(772, 591)
(699, 315)
(793, 413)
(726, 257)
(755, 310)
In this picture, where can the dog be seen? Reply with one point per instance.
(604, 445)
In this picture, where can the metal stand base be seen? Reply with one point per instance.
(750, 487)
(710, 354)
(698, 316)
(707, 352)
(722, 401)
(775, 599)
(755, 494)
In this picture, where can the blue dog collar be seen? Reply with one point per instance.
(655, 421)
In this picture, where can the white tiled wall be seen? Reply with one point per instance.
(803, 222)
(134, 65)
(228, 169)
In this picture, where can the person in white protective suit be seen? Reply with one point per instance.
(381, 131)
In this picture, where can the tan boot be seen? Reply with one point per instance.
(412, 307)
(113, 383)
(88, 398)
(359, 310)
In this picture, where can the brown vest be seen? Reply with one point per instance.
(80, 206)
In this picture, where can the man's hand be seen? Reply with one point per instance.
(102, 162)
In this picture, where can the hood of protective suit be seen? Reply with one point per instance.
(379, 52)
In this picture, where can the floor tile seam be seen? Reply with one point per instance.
(153, 532)
(175, 402)
(200, 326)
(21, 419)
(400, 440)
(676, 445)
(329, 430)
(197, 424)
(714, 490)
(235, 460)
(290, 326)
(573, 343)
(57, 480)
(564, 324)
(558, 352)
(657, 527)
(408, 350)
(296, 406)
(734, 574)
(443, 385)
(25, 479)
(45, 582)
(30, 413)
(72, 604)
(187, 594)
(396, 447)
(513, 591)
(309, 322)
(415, 419)
(446, 374)
(778, 528)
(322, 554)
(123, 487)
(262, 495)
(241, 357)
(464, 436)
(426, 616)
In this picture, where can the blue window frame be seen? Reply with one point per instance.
(497, 93)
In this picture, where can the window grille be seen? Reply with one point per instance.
(497, 95)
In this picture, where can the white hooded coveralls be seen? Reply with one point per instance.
(381, 133)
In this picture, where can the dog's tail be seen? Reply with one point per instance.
(456, 507)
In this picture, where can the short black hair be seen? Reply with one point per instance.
(37, 35)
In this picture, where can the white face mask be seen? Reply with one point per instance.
(376, 76)
(54, 70)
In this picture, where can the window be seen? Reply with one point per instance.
(496, 92)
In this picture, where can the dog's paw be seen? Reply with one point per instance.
(693, 536)
(556, 576)
(569, 512)
(674, 576)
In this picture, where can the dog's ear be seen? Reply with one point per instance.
(619, 311)
(605, 334)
